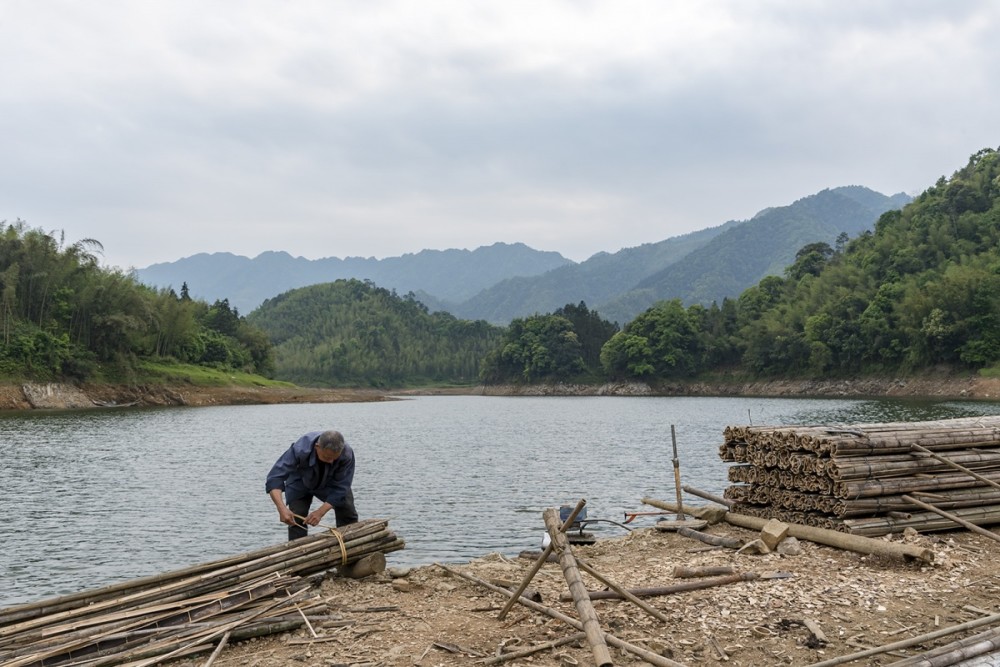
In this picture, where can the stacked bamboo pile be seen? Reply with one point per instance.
(856, 478)
(145, 621)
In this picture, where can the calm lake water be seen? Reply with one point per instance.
(91, 498)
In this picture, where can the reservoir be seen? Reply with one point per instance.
(94, 497)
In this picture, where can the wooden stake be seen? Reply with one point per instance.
(542, 559)
(591, 625)
(677, 475)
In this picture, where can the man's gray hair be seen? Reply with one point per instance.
(331, 441)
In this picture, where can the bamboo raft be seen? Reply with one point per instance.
(857, 478)
(193, 610)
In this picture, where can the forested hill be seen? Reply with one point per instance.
(922, 290)
(451, 275)
(701, 267)
(351, 332)
(602, 278)
(764, 246)
(63, 316)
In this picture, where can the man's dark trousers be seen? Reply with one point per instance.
(345, 513)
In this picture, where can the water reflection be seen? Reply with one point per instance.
(96, 497)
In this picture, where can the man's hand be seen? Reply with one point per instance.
(317, 514)
(285, 516)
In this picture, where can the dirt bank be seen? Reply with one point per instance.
(56, 396)
(27, 396)
(429, 618)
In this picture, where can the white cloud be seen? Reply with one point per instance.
(331, 128)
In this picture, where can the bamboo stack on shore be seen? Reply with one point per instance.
(145, 621)
(856, 478)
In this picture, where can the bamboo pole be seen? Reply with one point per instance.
(645, 606)
(218, 649)
(707, 496)
(907, 643)
(48, 606)
(955, 465)
(684, 587)
(542, 559)
(960, 521)
(523, 653)
(648, 656)
(180, 589)
(954, 652)
(591, 625)
(147, 620)
(683, 572)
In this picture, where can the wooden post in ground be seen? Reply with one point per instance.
(585, 609)
(677, 475)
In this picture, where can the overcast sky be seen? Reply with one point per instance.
(165, 128)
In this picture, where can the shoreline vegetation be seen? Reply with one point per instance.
(64, 396)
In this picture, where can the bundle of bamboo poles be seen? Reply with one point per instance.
(856, 478)
(145, 621)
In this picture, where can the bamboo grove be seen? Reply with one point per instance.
(62, 315)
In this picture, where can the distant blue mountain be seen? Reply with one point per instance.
(449, 275)
(500, 282)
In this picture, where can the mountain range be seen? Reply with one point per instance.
(500, 282)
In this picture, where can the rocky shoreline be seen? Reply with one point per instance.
(944, 386)
(63, 396)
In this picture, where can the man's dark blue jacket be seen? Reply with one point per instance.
(300, 473)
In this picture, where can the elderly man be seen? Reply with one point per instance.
(319, 464)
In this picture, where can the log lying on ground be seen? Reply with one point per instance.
(653, 591)
(186, 610)
(830, 538)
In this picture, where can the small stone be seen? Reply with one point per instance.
(756, 547)
(403, 586)
(789, 546)
(773, 533)
(398, 572)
